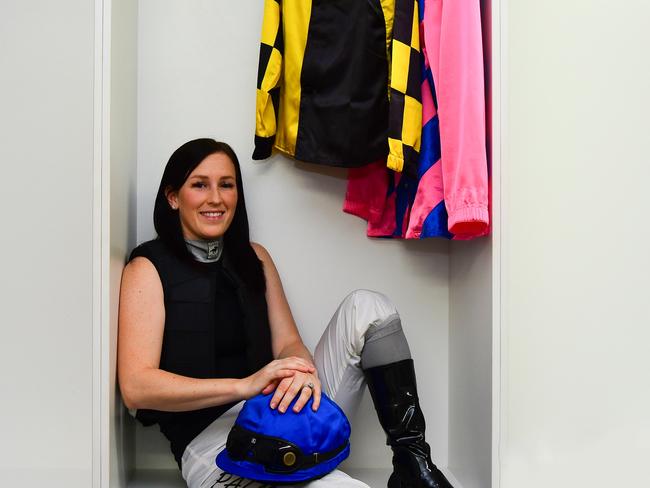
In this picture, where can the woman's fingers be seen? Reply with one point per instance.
(281, 389)
(273, 374)
(305, 393)
(270, 387)
(290, 394)
(309, 391)
(297, 386)
(317, 394)
(289, 384)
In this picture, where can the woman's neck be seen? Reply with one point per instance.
(205, 251)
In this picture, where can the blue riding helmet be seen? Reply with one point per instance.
(272, 447)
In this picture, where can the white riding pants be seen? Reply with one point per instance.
(338, 361)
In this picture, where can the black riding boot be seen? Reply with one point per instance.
(394, 394)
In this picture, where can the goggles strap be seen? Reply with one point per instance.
(275, 454)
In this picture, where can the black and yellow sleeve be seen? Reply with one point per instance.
(268, 80)
(405, 112)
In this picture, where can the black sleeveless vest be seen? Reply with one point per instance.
(215, 327)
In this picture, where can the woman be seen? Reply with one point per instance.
(204, 324)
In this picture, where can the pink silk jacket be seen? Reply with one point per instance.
(447, 195)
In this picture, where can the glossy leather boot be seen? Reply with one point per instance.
(394, 394)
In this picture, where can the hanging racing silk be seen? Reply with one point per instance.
(449, 195)
(339, 82)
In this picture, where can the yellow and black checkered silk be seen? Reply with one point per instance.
(339, 82)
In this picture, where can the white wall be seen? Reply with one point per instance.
(471, 326)
(576, 265)
(122, 120)
(470, 363)
(197, 73)
(46, 284)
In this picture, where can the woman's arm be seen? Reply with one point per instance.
(286, 342)
(142, 383)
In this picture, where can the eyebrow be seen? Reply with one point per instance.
(204, 177)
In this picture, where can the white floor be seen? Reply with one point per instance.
(161, 478)
(375, 478)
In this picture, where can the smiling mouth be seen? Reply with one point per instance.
(213, 215)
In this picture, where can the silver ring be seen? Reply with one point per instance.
(309, 385)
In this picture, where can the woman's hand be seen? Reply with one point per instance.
(290, 387)
(276, 371)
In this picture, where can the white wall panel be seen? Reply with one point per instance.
(471, 321)
(197, 73)
(122, 118)
(470, 363)
(46, 283)
(575, 256)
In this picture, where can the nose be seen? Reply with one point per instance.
(215, 196)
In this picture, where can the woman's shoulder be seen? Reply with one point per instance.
(139, 267)
(265, 257)
(154, 250)
(150, 258)
(262, 254)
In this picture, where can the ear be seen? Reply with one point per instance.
(172, 198)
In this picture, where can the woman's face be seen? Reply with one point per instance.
(207, 200)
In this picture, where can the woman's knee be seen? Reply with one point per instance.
(378, 338)
(363, 311)
(363, 299)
